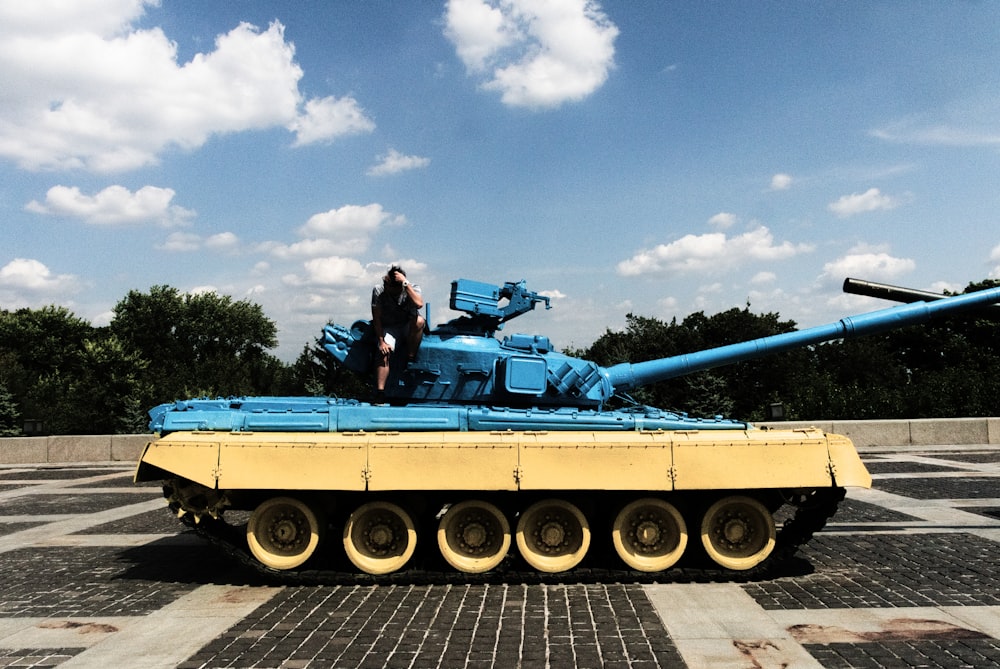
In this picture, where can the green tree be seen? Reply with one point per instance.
(39, 351)
(742, 389)
(204, 344)
(10, 417)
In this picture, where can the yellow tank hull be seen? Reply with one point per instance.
(540, 491)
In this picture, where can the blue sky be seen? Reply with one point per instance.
(650, 157)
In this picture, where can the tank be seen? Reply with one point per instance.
(498, 458)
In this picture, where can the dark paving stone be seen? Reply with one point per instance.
(70, 502)
(988, 511)
(56, 473)
(963, 487)
(36, 657)
(891, 467)
(123, 481)
(4, 486)
(853, 511)
(10, 528)
(982, 458)
(976, 653)
(889, 570)
(443, 626)
(105, 581)
(160, 521)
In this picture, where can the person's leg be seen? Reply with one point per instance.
(382, 361)
(415, 336)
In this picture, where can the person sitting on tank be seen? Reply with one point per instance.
(396, 318)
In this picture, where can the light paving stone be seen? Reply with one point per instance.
(719, 626)
(167, 637)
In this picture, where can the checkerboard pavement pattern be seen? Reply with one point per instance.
(96, 573)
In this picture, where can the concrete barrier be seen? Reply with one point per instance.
(67, 448)
(864, 434)
(917, 432)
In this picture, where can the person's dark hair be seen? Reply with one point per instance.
(396, 268)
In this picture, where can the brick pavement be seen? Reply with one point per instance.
(96, 573)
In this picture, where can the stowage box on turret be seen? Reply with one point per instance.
(500, 454)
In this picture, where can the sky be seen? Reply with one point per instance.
(623, 156)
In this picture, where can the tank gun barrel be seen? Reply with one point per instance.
(626, 376)
(887, 291)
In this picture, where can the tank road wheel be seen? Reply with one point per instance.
(649, 534)
(283, 532)
(738, 532)
(553, 535)
(379, 537)
(474, 536)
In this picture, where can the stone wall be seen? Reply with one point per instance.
(64, 448)
(864, 434)
(921, 432)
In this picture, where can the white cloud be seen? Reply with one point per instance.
(723, 220)
(186, 242)
(873, 264)
(350, 219)
(329, 118)
(710, 253)
(222, 241)
(478, 31)
(53, 17)
(538, 55)
(710, 289)
(761, 278)
(995, 257)
(937, 135)
(395, 162)
(181, 242)
(84, 88)
(781, 182)
(115, 205)
(344, 231)
(966, 121)
(25, 282)
(333, 271)
(857, 203)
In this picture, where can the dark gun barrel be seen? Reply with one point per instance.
(886, 291)
(626, 376)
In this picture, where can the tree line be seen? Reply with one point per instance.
(61, 375)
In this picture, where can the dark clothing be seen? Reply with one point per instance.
(395, 312)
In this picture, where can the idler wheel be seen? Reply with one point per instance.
(379, 537)
(649, 534)
(474, 536)
(553, 535)
(738, 532)
(283, 532)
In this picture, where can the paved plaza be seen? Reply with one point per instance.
(96, 573)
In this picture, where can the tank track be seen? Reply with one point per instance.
(811, 515)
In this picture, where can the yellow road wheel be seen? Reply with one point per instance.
(738, 532)
(649, 534)
(553, 535)
(474, 536)
(379, 537)
(283, 532)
